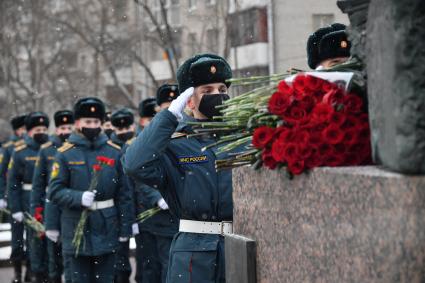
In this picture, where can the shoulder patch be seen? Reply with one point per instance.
(20, 147)
(130, 141)
(177, 135)
(114, 145)
(65, 147)
(19, 142)
(9, 143)
(46, 145)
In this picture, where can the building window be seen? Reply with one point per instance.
(248, 26)
(212, 40)
(192, 4)
(322, 20)
(191, 40)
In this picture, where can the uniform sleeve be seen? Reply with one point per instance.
(143, 158)
(59, 191)
(149, 195)
(14, 182)
(125, 204)
(39, 181)
(52, 216)
(3, 171)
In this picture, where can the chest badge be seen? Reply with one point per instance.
(185, 160)
(55, 170)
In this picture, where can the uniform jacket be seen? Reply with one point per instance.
(70, 177)
(20, 172)
(194, 190)
(5, 155)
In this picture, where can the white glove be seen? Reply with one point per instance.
(135, 229)
(18, 216)
(53, 235)
(87, 199)
(162, 204)
(122, 239)
(3, 204)
(177, 105)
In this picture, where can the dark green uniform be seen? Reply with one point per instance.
(51, 211)
(69, 179)
(21, 169)
(194, 190)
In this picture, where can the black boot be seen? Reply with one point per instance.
(40, 278)
(57, 279)
(17, 268)
(28, 273)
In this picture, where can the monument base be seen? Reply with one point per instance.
(350, 224)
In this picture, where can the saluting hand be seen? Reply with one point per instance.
(18, 216)
(162, 204)
(177, 105)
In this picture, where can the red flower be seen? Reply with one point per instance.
(308, 102)
(299, 83)
(284, 88)
(352, 159)
(334, 97)
(337, 118)
(301, 136)
(97, 167)
(313, 83)
(314, 160)
(296, 114)
(296, 167)
(351, 122)
(333, 160)
(350, 136)
(333, 134)
(262, 136)
(278, 150)
(279, 103)
(352, 103)
(111, 162)
(328, 86)
(290, 152)
(38, 215)
(268, 159)
(324, 150)
(322, 112)
(305, 151)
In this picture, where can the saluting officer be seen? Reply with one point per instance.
(122, 122)
(109, 205)
(50, 254)
(18, 254)
(21, 170)
(328, 46)
(186, 176)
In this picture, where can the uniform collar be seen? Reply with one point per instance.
(31, 142)
(56, 140)
(183, 125)
(116, 140)
(78, 139)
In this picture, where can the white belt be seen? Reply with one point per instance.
(202, 227)
(27, 187)
(102, 204)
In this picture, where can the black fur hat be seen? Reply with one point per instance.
(18, 121)
(167, 93)
(63, 117)
(122, 118)
(89, 107)
(35, 119)
(147, 108)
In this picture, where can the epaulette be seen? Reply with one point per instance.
(177, 135)
(130, 141)
(20, 147)
(9, 143)
(18, 143)
(65, 147)
(46, 145)
(114, 145)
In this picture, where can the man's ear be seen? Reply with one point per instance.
(191, 103)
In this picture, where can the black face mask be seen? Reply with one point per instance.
(125, 136)
(91, 133)
(41, 138)
(108, 132)
(64, 137)
(209, 102)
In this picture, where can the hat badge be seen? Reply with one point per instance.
(171, 94)
(344, 44)
(92, 109)
(65, 119)
(213, 69)
(122, 121)
(41, 120)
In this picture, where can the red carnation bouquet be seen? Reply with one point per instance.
(298, 121)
